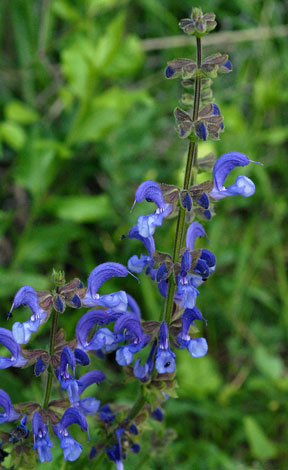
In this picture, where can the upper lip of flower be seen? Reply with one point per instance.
(97, 277)
(226, 163)
(7, 340)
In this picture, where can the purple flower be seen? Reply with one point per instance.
(106, 414)
(71, 448)
(66, 380)
(165, 358)
(8, 341)
(186, 289)
(194, 231)
(115, 454)
(135, 264)
(97, 277)
(151, 191)
(243, 186)
(197, 347)
(206, 263)
(158, 414)
(8, 414)
(144, 372)
(42, 442)
(89, 405)
(102, 338)
(133, 333)
(23, 331)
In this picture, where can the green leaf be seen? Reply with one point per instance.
(36, 167)
(20, 112)
(65, 10)
(12, 134)
(261, 447)
(46, 242)
(269, 364)
(105, 113)
(108, 46)
(196, 376)
(82, 208)
(11, 281)
(98, 6)
(76, 67)
(128, 60)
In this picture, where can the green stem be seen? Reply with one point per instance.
(136, 408)
(190, 174)
(51, 351)
(138, 405)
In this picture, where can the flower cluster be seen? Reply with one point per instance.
(113, 322)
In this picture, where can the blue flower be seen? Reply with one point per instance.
(66, 380)
(197, 347)
(151, 191)
(135, 264)
(23, 331)
(144, 372)
(103, 337)
(23, 427)
(165, 358)
(206, 263)
(97, 277)
(71, 448)
(89, 405)
(8, 414)
(157, 414)
(42, 442)
(115, 454)
(106, 414)
(186, 289)
(243, 186)
(133, 333)
(40, 366)
(8, 341)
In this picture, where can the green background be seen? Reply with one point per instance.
(86, 116)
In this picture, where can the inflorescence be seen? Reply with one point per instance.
(113, 323)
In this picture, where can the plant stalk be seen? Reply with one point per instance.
(190, 176)
(138, 405)
(51, 351)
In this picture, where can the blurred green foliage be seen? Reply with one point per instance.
(86, 116)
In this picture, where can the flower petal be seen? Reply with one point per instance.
(147, 241)
(102, 273)
(189, 316)
(165, 361)
(133, 306)
(8, 341)
(89, 405)
(194, 231)
(151, 191)
(224, 165)
(9, 413)
(73, 416)
(94, 376)
(87, 321)
(198, 347)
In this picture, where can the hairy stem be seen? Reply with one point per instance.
(190, 176)
(51, 351)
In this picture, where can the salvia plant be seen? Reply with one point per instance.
(113, 323)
